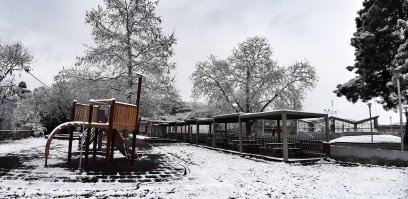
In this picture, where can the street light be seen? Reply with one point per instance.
(392, 132)
(371, 125)
(397, 75)
(406, 124)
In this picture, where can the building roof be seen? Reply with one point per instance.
(233, 117)
(277, 115)
(205, 120)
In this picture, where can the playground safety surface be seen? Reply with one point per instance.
(28, 165)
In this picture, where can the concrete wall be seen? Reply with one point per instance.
(369, 156)
(8, 134)
(390, 129)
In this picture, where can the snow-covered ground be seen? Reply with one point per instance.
(367, 139)
(11, 146)
(211, 174)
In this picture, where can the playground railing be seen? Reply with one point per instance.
(124, 116)
(82, 110)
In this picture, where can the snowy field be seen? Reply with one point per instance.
(209, 174)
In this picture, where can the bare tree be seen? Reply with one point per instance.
(128, 39)
(250, 81)
(13, 58)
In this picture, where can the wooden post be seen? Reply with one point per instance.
(213, 130)
(88, 134)
(71, 132)
(136, 130)
(285, 138)
(181, 133)
(327, 137)
(209, 135)
(71, 137)
(100, 136)
(109, 132)
(198, 132)
(190, 132)
(240, 134)
(185, 132)
(112, 150)
(175, 131)
(226, 134)
(95, 142)
(279, 130)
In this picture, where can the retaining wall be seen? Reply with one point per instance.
(369, 156)
(15, 135)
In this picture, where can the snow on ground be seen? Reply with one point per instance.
(367, 139)
(10, 146)
(212, 174)
(233, 176)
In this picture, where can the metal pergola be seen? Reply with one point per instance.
(279, 115)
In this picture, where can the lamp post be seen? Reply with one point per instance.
(406, 124)
(371, 124)
(392, 132)
(397, 74)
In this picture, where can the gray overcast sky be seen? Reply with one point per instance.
(316, 30)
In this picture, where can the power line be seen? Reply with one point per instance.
(38, 80)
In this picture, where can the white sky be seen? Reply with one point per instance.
(316, 30)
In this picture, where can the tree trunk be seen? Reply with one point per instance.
(129, 67)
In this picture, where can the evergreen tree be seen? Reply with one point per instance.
(376, 43)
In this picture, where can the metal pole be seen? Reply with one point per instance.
(392, 132)
(400, 113)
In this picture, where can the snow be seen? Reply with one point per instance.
(11, 146)
(212, 174)
(367, 139)
(141, 137)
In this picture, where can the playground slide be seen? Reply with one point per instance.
(121, 146)
(56, 131)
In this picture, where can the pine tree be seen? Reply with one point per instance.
(376, 43)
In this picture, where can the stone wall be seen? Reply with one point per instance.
(369, 156)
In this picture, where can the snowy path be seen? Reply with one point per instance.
(211, 174)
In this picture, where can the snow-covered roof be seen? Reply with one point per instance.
(367, 139)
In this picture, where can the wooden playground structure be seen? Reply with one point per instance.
(121, 118)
